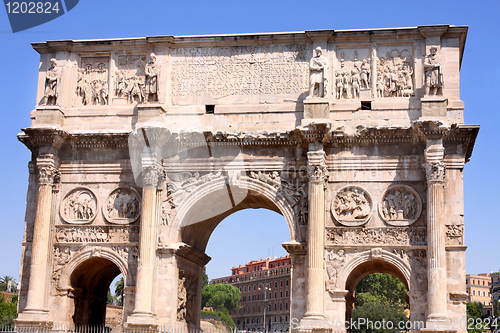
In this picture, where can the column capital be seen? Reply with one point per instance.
(434, 171)
(47, 169)
(317, 170)
(151, 176)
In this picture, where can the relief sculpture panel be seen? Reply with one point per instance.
(352, 206)
(220, 73)
(353, 74)
(377, 236)
(395, 72)
(130, 78)
(92, 87)
(79, 206)
(104, 234)
(400, 205)
(123, 206)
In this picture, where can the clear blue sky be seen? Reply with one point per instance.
(90, 19)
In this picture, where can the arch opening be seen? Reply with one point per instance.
(362, 272)
(90, 282)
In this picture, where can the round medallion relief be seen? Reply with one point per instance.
(400, 205)
(79, 206)
(352, 206)
(123, 206)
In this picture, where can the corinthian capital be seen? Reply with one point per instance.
(434, 171)
(151, 175)
(316, 168)
(47, 171)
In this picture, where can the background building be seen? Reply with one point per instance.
(264, 284)
(479, 290)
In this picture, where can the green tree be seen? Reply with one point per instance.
(8, 283)
(8, 310)
(119, 285)
(221, 297)
(377, 312)
(475, 316)
(204, 282)
(384, 288)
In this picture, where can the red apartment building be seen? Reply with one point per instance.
(265, 287)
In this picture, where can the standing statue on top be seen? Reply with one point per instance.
(151, 85)
(317, 74)
(433, 74)
(52, 80)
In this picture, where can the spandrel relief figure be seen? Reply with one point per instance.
(433, 74)
(334, 262)
(52, 82)
(151, 86)
(317, 74)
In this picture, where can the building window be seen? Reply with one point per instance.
(281, 306)
(281, 283)
(254, 287)
(245, 289)
(474, 292)
(270, 296)
(286, 282)
(259, 308)
(275, 295)
(254, 309)
(286, 293)
(274, 310)
(286, 306)
(275, 284)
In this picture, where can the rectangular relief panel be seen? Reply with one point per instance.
(395, 71)
(353, 74)
(92, 82)
(129, 79)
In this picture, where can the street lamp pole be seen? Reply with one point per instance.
(265, 286)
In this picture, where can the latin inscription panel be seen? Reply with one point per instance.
(221, 75)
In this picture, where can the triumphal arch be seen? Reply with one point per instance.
(142, 146)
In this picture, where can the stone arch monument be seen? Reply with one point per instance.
(356, 137)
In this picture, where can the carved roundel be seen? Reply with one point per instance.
(400, 205)
(352, 206)
(79, 206)
(123, 206)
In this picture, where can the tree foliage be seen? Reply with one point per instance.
(380, 297)
(221, 297)
(222, 316)
(475, 312)
(8, 310)
(8, 284)
(205, 280)
(495, 309)
(119, 285)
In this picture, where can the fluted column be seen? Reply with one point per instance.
(436, 255)
(37, 290)
(142, 313)
(318, 174)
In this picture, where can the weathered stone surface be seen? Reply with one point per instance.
(140, 149)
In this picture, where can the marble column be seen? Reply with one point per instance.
(318, 174)
(436, 256)
(142, 314)
(36, 310)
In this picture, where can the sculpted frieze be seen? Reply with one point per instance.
(130, 78)
(220, 72)
(352, 206)
(353, 75)
(186, 294)
(377, 236)
(454, 234)
(92, 86)
(186, 182)
(79, 206)
(123, 206)
(127, 252)
(395, 74)
(104, 234)
(400, 205)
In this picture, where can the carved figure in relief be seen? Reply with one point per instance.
(351, 204)
(187, 181)
(433, 74)
(151, 87)
(52, 81)
(61, 258)
(396, 236)
(79, 206)
(365, 74)
(334, 261)
(395, 75)
(355, 82)
(317, 74)
(181, 299)
(123, 203)
(400, 204)
(272, 178)
(92, 84)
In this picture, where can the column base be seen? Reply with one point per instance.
(437, 323)
(143, 321)
(314, 324)
(33, 320)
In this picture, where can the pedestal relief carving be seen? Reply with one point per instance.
(79, 206)
(372, 236)
(395, 74)
(352, 206)
(454, 235)
(123, 206)
(92, 84)
(186, 293)
(353, 78)
(400, 205)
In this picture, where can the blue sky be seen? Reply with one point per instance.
(245, 235)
